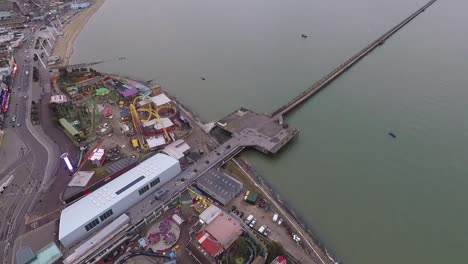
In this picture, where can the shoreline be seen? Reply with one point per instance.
(65, 45)
(315, 246)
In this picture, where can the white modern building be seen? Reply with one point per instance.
(94, 211)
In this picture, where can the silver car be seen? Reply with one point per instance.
(252, 224)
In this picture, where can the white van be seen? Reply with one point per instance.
(275, 217)
(261, 229)
(249, 219)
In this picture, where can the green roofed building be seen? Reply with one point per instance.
(251, 197)
(102, 91)
(69, 128)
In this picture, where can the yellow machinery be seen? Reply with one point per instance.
(135, 143)
(205, 202)
(137, 126)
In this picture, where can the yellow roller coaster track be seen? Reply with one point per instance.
(137, 126)
(151, 112)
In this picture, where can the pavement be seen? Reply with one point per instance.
(29, 154)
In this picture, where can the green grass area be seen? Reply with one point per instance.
(239, 261)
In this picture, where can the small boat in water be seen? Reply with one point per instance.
(391, 134)
(304, 36)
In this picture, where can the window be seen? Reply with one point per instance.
(154, 182)
(106, 215)
(91, 225)
(129, 185)
(143, 190)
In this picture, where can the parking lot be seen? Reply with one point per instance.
(264, 216)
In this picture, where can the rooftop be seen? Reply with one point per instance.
(4, 14)
(219, 185)
(209, 243)
(96, 154)
(163, 123)
(129, 92)
(90, 206)
(49, 254)
(224, 229)
(210, 214)
(81, 178)
(160, 99)
(155, 142)
(257, 130)
(177, 149)
(200, 253)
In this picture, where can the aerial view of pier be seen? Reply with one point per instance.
(99, 165)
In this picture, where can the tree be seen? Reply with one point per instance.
(275, 249)
(240, 249)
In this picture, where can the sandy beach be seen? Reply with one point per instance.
(64, 46)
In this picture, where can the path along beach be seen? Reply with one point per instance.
(64, 46)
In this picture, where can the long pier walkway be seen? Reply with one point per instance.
(319, 85)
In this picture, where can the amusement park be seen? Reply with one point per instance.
(116, 122)
(93, 106)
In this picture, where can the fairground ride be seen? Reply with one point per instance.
(151, 112)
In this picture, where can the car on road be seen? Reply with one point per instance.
(252, 224)
(267, 231)
(18, 125)
(13, 119)
(27, 73)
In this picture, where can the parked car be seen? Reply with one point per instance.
(275, 217)
(267, 231)
(241, 214)
(262, 229)
(280, 221)
(249, 219)
(252, 224)
(233, 208)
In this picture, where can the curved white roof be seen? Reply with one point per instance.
(102, 199)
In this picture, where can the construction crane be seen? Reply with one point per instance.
(86, 65)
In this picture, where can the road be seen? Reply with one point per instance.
(37, 161)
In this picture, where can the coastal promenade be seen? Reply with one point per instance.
(64, 47)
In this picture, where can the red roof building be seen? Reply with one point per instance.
(97, 157)
(279, 260)
(209, 243)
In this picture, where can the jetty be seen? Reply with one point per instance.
(327, 79)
